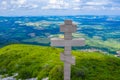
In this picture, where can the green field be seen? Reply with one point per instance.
(31, 61)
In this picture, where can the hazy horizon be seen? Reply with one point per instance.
(55, 15)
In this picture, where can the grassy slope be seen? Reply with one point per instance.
(37, 61)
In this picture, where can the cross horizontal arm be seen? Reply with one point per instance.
(61, 42)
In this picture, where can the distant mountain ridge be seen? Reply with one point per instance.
(100, 32)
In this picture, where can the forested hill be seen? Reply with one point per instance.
(39, 62)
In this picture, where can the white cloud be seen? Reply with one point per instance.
(29, 6)
(76, 8)
(18, 2)
(75, 4)
(76, 0)
(96, 3)
(56, 4)
(53, 1)
(15, 4)
(21, 1)
(87, 8)
(78, 5)
(12, 5)
(34, 5)
(4, 5)
(115, 8)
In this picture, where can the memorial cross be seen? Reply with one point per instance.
(68, 28)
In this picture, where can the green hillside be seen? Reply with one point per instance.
(31, 61)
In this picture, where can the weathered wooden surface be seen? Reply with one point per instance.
(68, 28)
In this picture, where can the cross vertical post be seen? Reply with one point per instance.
(68, 28)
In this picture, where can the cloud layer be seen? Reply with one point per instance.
(77, 5)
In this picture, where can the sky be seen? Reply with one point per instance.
(59, 7)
